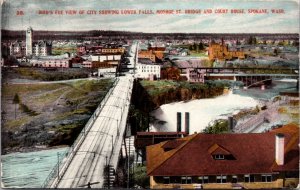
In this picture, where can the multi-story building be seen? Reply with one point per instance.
(41, 48)
(100, 49)
(158, 52)
(113, 50)
(227, 161)
(98, 64)
(106, 57)
(146, 54)
(147, 69)
(105, 64)
(56, 63)
(194, 75)
(29, 48)
(17, 48)
(222, 52)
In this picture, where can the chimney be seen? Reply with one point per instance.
(187, 122)
(178, 121)
(279, 149)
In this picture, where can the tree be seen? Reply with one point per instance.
(201, 46)
(252, 40)
(16, 101)
(140, 177)
(194, 46)
(217, 127)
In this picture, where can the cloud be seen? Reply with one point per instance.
(288, 22)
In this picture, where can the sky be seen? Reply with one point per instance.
(157, 23)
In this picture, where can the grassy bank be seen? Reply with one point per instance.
(43, 75)
(57, 112)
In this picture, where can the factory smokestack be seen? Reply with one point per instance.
(231, 123)
(178, 121)
(187, 122)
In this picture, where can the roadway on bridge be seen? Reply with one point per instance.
(95, 152)
(102, 141)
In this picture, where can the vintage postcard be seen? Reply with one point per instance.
(150, 94)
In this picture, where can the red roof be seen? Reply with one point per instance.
(172, 144)
(161, 133)
(157, 48)
(217, 149)
(252, 153)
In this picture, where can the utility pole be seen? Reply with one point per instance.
(128, 163)
(108, 176)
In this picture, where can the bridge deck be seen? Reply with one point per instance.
(101, 144)
(256, 75)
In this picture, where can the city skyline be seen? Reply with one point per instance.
(152, 23)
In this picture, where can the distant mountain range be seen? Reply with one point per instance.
(124, 35)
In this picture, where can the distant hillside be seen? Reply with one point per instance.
(113, 35)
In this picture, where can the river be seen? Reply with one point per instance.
(204, 111)
(28, 170)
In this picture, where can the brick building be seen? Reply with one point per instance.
(221, 52)
(155, 54)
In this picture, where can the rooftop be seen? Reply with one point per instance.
(251, 153)
(146, 61)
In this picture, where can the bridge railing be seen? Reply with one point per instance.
(62, 165)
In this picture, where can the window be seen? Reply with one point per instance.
(203, 179)
(266, 178)
(219, 157)
(221, 179)
(186, 180)
(248, 178)
(175, 179)
(234, 179)
(166, 180)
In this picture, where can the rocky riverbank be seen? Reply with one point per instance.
(47, 114)
(150, 95)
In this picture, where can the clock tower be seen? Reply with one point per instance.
(29, 32)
